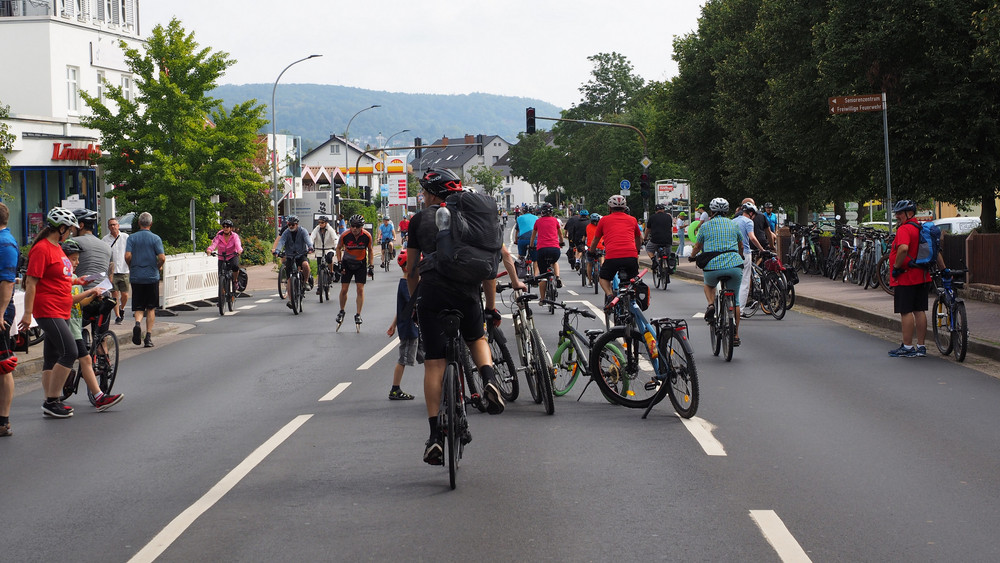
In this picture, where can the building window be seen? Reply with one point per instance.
(127, 87)
(73, 88)
(334, 149)
(122, 13)
(495, 159)
(100, 86)
(109, 12)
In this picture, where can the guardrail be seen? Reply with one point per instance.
(193, 276)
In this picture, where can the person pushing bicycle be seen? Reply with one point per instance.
(296, 244)
(354, 253)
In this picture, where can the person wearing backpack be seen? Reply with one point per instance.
(910, 280)
(437, 287)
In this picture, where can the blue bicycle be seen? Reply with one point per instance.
(658, 358)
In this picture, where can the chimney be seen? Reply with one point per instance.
(444, 141)
(470, 139)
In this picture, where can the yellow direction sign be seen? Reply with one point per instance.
(854, 104)
(645, 162)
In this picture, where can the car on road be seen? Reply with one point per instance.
(125, 222)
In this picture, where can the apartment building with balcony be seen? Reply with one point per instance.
(54, 49)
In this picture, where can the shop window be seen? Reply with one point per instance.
(73, 88)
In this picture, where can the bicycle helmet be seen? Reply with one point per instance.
(70, 246)
(292, 220)
(595, 217)
(661, 207)
(616, 202)
(60, 216)
(719, 205)
(386, 218)
(905, 205)
(227, 222)
(748, 206)
(584, 213)
(8, 362)
(401, 258)
(356, 220)
(439, 182)
(768, 205)
(323, 219)
(546, 209)
(85, 217)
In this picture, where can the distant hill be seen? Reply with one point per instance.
(314, 111)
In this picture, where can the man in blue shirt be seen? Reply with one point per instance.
(144, 255)
(8, 272)
(522, 230)
(772, 218)
(386, 232)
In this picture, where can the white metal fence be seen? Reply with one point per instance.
(193, 276)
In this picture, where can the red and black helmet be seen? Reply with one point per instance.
(401, 259)
(438, 182)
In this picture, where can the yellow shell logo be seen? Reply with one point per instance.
(378, 167)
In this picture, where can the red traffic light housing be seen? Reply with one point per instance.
(529, 119)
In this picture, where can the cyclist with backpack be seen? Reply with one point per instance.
(437, 287)
(354, 252)
(622, 240)
(910, 280)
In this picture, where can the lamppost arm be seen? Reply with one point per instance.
(274, 141)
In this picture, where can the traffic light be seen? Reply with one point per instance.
(529, 118)
(644, 184)
(417, 152)
(479, 145)
(368, 195)
(336, 194)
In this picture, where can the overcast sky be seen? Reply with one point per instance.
(529, 48)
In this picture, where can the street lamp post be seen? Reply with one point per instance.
(347, 156)
(274, 143)
(385, 172)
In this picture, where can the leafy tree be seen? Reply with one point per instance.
(486, 177)
(173, 143)
(6, 144)
(611, 88)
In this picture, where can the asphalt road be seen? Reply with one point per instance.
(811, 443)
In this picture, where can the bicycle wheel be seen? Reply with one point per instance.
(960, 331)
(222, 296)
(450, 427)
(552, 295)
(529, 368)
(714, 331)
(682, 376)
(282, 278)
(728, 326)
(294, 298)
(473, 380)
(774, 295)
(566, 362)
(321, 278)
(789, 292)
(595, 277)
(230, 292)
(503, 367)
(884, 272)
(631, 383)
(106, 361)
(543, 373)
(941, 327)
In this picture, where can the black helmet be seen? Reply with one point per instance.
(661, 207)
(85, 217)
(323, 219)
(905, 205)
(768, 205)
(357, 221)
(439, 182)
(70, 246)
(546, 209)
(292, 220)
(227, 222)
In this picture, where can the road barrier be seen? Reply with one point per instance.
(189, 277)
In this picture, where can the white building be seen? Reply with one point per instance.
(53, 50)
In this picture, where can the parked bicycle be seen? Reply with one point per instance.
(658, 358)
(949, 319)
(103, 349)
(572, 357)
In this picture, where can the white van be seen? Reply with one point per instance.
(958, 225)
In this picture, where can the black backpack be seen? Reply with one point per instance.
(469, 252)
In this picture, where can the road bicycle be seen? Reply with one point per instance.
(722, 325)
(103, 349)
(227, 284)
(453, 421)
(664, 264)
(572, 357)
(658, 359)
(535, 360)
(324, 260)
(388, 254)
(949, 319)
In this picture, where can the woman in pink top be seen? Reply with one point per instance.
(546, 238)
(227, 244)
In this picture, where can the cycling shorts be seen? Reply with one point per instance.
(292, 263)
(651, 247)
(354, 271)
(547, 257)
(431, 301)
(60, 346)
(629, 267)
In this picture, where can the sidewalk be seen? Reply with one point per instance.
(874, 307)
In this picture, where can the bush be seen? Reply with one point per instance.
(255, 252)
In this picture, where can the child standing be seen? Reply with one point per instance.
(409, 337)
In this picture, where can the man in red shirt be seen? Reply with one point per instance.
(622, 240)
(910, 282)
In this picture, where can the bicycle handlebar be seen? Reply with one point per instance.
(568, 309)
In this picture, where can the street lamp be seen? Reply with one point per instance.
(347, 156)
(385, 172)
(274, 143)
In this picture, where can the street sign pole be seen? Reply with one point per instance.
(866, 103)
(888, 178)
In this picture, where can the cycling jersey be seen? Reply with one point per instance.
(547, 232)
(355, 246)
(620, 231)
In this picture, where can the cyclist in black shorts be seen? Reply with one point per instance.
(297, 245)
(354, 253)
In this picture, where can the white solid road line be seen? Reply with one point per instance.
(377, 357)
(178, 525)
(778, 536)
(702, 429)
(337, 390)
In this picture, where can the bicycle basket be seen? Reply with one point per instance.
(641, 295)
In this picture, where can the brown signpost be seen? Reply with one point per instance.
(854, 104)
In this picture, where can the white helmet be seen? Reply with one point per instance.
(616, 201)
(719, 205)
(61, 216)
(749, 206)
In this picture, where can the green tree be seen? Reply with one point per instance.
(612, 87)
(172, 143)
(485, 177)
(6, 144)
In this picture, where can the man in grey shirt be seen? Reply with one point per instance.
(95, 258)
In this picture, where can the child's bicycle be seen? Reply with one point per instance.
(103, 349)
